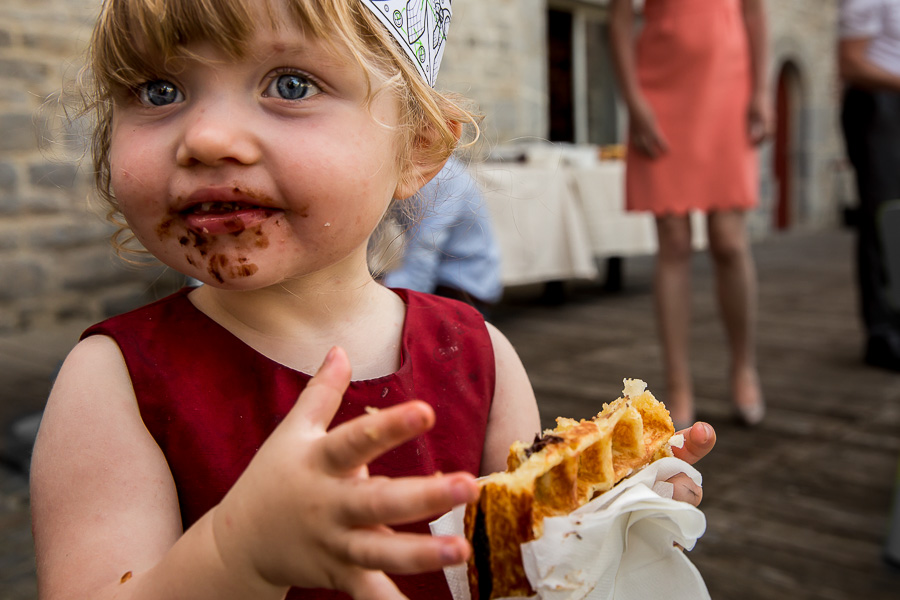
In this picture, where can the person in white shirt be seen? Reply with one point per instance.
(869, 65)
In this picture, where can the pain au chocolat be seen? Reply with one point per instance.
(563, 469)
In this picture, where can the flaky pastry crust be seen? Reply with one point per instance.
(563, 469)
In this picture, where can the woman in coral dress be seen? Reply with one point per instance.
(694, 81)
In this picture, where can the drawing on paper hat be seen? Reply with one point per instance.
(420, 26)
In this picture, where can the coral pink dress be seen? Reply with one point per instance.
(693, 66)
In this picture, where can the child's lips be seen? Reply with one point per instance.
(216, 212)
(226, 221)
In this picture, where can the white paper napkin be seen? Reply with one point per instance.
(617, 547)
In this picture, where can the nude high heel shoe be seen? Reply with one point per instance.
(751, 415)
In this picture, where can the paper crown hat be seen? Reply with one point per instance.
(420, 26)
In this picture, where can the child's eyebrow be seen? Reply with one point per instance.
(298, 47)
(324, 55)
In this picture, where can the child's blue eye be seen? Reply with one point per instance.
(160, 93)
(292, 86)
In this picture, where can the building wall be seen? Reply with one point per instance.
(497, 55)
(55, 260)
(803, 32)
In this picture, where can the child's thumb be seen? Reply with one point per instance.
(321, 399)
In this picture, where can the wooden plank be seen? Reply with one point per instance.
(797, 508)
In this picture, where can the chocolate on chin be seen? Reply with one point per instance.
(563, 469)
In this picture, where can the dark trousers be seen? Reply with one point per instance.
(871, 125)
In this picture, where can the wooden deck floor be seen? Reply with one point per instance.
(797, 508)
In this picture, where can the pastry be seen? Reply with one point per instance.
(563, 469)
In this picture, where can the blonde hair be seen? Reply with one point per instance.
(133, 39)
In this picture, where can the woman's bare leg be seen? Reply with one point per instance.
(736, 291)
(672, 283)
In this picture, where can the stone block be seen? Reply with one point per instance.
(76, 310)
(10, 204)
(22, 277)
(25, 70)
(18, 132)
(56, 235)
(125, 300)
(67, 46)
(8, 177)
(10, 235)
(10, 320)
(15, 98)
(90, 268)
(44, 204)
(53, 175)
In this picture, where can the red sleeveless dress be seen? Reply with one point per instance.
(210, 401)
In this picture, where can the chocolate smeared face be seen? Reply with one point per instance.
(219, 231)
(259, 170)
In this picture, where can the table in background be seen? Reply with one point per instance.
(554, 223)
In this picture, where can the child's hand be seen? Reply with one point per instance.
(699, 439)
(306, 513)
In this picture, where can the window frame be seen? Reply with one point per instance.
(583, 13)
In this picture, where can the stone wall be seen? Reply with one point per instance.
(803, 34)
(55, 258)
(496, 55)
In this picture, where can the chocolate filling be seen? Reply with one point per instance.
(481, 546)
(542, 442)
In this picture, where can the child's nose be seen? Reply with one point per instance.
(213, 136)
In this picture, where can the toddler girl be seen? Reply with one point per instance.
(255, 145)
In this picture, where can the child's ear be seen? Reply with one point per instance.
(425, 164)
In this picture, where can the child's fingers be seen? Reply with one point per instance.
(685, 490)
(319, 402)
(360, 441)
(699, 439)
(371, 585)
(403, 553)
(407, 499)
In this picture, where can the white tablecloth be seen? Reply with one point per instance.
(554, 222)
(600, 190)
(538, 222)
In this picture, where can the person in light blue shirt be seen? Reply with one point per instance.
(450, 248)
